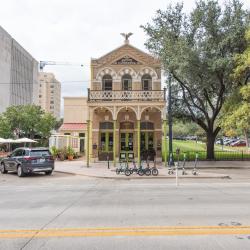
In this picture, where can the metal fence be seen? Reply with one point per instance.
(219, 155)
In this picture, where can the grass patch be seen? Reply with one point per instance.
(190, 148)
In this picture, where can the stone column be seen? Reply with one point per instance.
(114, 142)
(139, 141)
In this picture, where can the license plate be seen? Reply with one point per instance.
(42, 160)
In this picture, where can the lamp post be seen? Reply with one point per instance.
(170, 124)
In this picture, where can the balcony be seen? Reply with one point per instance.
(129, 95)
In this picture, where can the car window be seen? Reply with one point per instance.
(18, 152)
(40, 153)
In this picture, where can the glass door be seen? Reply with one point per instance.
(147, 140)
(106, 143)
(127, 146)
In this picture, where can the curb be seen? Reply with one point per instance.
(145, 177)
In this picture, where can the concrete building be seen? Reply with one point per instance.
(124, 115)
(18, 74)
(49, 93)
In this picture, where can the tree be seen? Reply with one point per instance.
(237, 112)
(5, 130)
(47, 123)
(26, 121)
(198, 51)
(242, 71)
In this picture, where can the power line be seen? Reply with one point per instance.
(38, 82)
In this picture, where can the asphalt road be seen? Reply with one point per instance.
(72, 212)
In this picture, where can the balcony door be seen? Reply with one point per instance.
(107, 83)
(126, 82)
(146, 82)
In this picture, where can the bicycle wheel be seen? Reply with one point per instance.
(141, 172)
(147, 172)
(127, 172)
(155, 172)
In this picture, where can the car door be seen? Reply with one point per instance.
(9, 161)
(17, 158)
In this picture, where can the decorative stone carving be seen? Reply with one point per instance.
(106, 71)
(147, 70)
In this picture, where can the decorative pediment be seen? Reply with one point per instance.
(126, 60)
(126, 55)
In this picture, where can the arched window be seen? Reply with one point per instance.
(147, 126)
(146, 81)
(106, 125)
(126, 82)
(126, 125)
(107, 82)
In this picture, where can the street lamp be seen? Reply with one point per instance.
(170, 124)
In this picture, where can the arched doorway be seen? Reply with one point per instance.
(102, 134)
(127, 136)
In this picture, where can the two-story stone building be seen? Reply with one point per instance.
(125, 106)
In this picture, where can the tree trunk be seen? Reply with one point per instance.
(210, 144)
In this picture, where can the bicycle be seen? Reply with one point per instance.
(123, 168)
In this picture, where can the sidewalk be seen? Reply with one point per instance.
(100, 170)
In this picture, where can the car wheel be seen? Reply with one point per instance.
(20, 172)
(3, 170)
(48, 172)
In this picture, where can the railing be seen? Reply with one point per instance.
(218, 155)
(130, 95)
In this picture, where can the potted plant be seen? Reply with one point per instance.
(54, 151)
(62, 154)
(70, 153)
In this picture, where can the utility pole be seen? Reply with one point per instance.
(170, 124)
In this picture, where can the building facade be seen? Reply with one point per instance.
(49, 97)
(126, 105)
(124, 114)
(18, 74)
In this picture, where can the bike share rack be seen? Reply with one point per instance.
(171, 169)
(140, 170)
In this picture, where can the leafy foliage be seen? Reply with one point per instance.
(237, 111)
(26, 121)
(198, 51)
(242, 71)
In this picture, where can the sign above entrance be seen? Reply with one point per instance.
(126, 60)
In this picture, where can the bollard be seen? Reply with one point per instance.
(108, 160)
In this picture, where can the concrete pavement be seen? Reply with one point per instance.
(199, 214)
(100, 170)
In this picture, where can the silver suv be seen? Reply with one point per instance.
(28, 160)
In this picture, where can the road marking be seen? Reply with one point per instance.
(126, 231)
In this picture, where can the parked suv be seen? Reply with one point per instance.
(28, 160)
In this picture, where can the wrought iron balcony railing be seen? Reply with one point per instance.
(129, 95)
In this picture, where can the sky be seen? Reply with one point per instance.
(77, 30)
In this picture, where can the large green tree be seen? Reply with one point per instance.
(198, 51)
(26, 121)
(236, 112)
(242, 71)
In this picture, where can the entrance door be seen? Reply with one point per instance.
(126, 146)
(106, 146)
(147, 141)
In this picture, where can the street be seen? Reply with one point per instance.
(74, 212)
